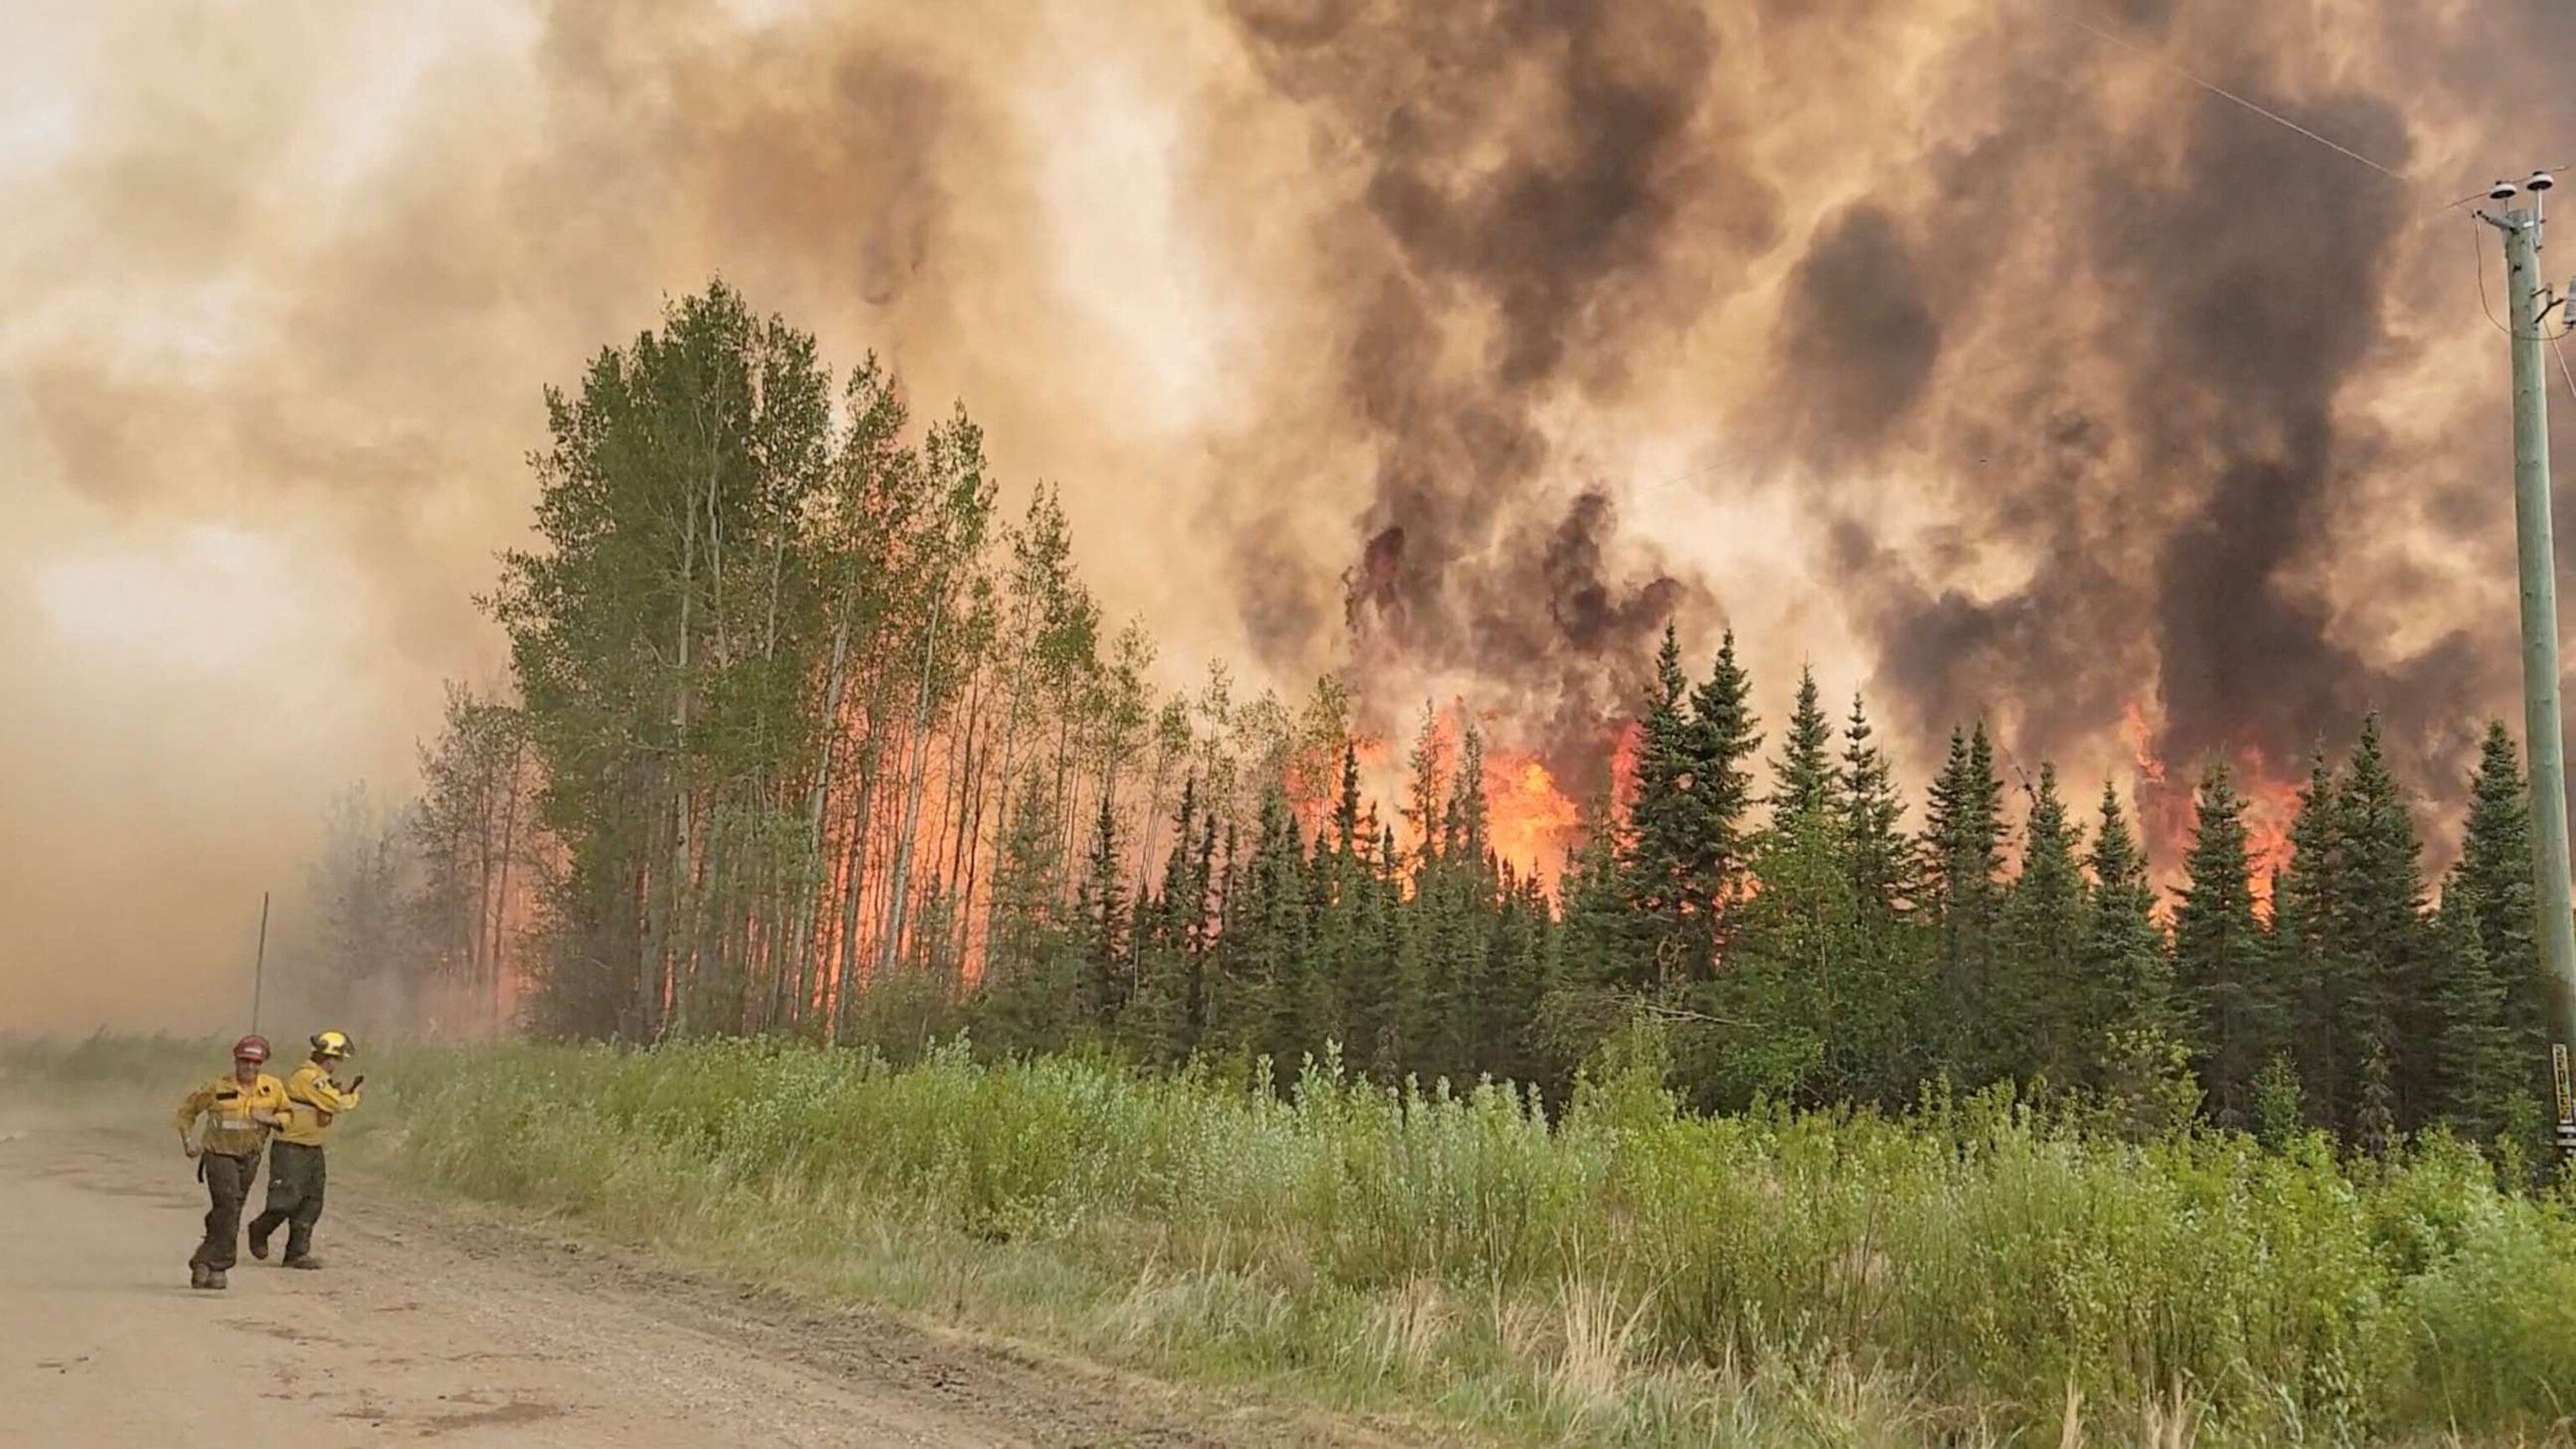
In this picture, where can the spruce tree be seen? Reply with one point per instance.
(2494, 883)
(1368, 988)
(1660, 841)
(2382, 926)
(1157, 1024)
(1515, 981)
(1802, 780)
(1599, 947)
(1798, 960)
(2141, 1062)
(2220, 956)
(1333, 891)
(1256, 995)
(2124, 954)
(1031, 980)
(1963, 851)
(2315, 971)
(1426, 806)
(2034, 1014)
(2474, 1075)
(1873, 814)
(1100, 921)
(1884, 1050)
(1723, 739)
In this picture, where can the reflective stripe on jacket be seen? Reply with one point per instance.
(227, 1105)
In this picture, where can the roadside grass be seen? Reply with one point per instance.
(1627, 1275)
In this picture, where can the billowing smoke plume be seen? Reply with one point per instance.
(2086, 382)
(1538, 189)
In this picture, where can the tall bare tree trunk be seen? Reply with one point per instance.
(657, 966)
(895, 899)
(856, 854)
(509, 851)
(808, 920)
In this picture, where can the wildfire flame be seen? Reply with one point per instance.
(2167, 809)
(1531, 821)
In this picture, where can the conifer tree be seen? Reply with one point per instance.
(2382, 925)
(1253, 991)
(1963, 850)
(1516, 980)
(1802, 780)
(1388, 927)
(1599, 947)
(1722, 740)
(1663, 819)
(2141, 1062)
(1030, 972)
(2474, 1075)
(1100, 921)
(2034, 1011)
(2220, 959)
(1159, 1022)
(2124, 954)
(2494, 883)
(2308, 914)
(1873, 814)
(1800, 964)
(1367, 986)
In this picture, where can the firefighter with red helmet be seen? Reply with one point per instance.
(239, 1109)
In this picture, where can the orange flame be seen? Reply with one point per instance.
(1623, 763)
(2270, 806)
(2167, 810)
(2133, 729)
(1531, 821)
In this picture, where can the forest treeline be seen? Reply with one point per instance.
(803, 737)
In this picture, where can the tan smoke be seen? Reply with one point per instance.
(1922, 342)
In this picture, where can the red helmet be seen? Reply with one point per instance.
(251, 1049)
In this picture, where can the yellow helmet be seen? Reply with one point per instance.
(331, 1044)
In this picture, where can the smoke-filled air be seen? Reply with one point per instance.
(1982, 358)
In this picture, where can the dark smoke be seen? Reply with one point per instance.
(2158, 428)
(2070, 380)
(1529, 175)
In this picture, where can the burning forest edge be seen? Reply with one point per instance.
(800, 738)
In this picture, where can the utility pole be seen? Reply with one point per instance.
(2527, 317)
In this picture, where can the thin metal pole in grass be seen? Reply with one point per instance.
(259, 964)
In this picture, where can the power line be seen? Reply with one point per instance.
(2222, 92)
(2275, 117)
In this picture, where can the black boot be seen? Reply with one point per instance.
(260, 1228)
(200, 1276)
(308, 1261)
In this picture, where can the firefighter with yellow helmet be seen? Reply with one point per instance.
(314, 1099)
(239, 1110)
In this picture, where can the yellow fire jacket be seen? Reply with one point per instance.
(232, 1112)
(313, 1099)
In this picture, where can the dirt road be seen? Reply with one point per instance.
(426, 1328)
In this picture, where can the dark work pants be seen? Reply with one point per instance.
(228, 1181)
(294, 1196)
